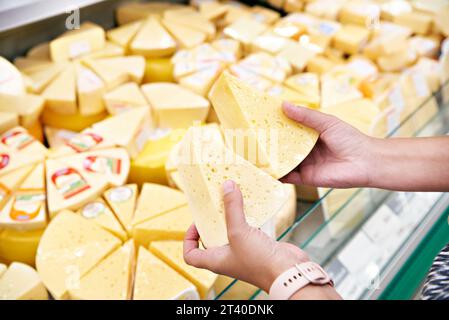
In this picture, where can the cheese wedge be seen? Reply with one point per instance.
(60, 95)
(390, 9)
(38, 80)
(238, 106)
(90, 89)
(175, 106)
(152, 40)
(419, 22)
(185, 36)
(11, 81)
(359, 12)
(26, 210)
(210, 165)
(8, 120)
(70, 247)
(30, 65)
(75, 43)
(21, 282)
(73, 122)
(397, 61)
(129, 130)
(112, 279)
(156, 280)
(250, 78)
(133, 11)
(269, 42)
(156, 200)
(158, 70)
(27, 106)
(110, 50)
(171, 252)
(351, 38)
(245, 30)
(275, 69)
(98, 212)
(122, 201)
(201, 81)
(336, 89)
(228, 48)
(320, 64)
(212, 10)
(123, 98)
(40, 51)
(191, 18)
(308, 85)
(68, 188)
(297, 55)
(11, 181)
(20, 246)
(3, 268)
(58, 137)
(168, 226)
(123, 35)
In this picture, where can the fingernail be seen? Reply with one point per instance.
(228, 186)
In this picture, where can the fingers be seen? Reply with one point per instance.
(192, 254)
(233, 204)
(293, 177)
(308, 117)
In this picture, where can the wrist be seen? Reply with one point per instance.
(316, 292)
(371, 159)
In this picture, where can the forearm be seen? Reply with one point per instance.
(409, 164)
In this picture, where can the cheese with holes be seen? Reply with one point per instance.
(21, 282)
(26, 209)
(111, 279)
(171, 252)
(72, 44)
(123, 35)
(206, 164)
(123, 98)
(60, 95)
(153, 41)
(308, 86)
(190, 18)
(282, 143)
(156, 200)
(122, 201)
(245, 30)
(8, 120)
(175, 106)
(90, 89)
(11, 181)
(171, 225)
(11, 81)
(27, 106)
(98, 212)
(70, 247)
(185, 36)
(351, 38)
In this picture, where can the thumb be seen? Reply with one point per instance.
(233, 204)
(308, 117)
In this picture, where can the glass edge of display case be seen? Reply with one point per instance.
(442, 107)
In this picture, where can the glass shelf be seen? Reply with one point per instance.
(362, 239)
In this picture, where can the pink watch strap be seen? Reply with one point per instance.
(296, 278)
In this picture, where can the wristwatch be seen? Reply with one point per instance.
(296, 278)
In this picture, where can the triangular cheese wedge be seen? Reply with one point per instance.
(201, 81)
(8, 120)
(205, 165)
(28, 65)
(90, 89)
(111, 280)
(69, 248)
(111, 75)
(287, 94)
(110, 50)
(175, 106)
(26, 210)
(22, 282)
(60, 95)
(191, 18)
(133, 66)
(123, 35)
(11, 181)
(155, 200)
(171, 252)
(123, 200)
(123, 98)
(28, 107)
(308, 85)
(11, 80)
(168, 226)
(213, 10)
(156, 280)
(274, 142)
(152, 40)
(338, 89)
(69, 187)
(185, 36)
(230, 49)
(58, 137)
(98, 212)
(41, 78)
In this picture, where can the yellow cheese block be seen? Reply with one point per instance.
(111, 279)
(122, 201)
(37, 131)
(245, 30)
(387, 39)
(419, 22)
(297, 55)
(171, 225)
(425, 46)
(30, 65)
(153, 41)
(58, 137)
(229, 49)
(275, 69)
(27, 106)
(250, 78)
(72, 122)
(201, 81)
(235, 11)
(171, 252)
(98, 212)
(26, 209)
(264, 15)
(375, 86)
(156, 280)
(133, 11)
(124, 34)
(320, 64)
(40, 79)
(397, 61)
(11, 80)
(206, 164)
(239, 106)
(336, 89)
(90, 89)
(18, 245)
(70, 247)
(363, 13)
(60, 95)
(21, 282)
(212, 10)
(109, 50)
(327, 9)
(75, 43)
(156, 200)
(269, 42)
(190, 18)
(158, 70)
(308, 85)
(11, 181)
(175, 106)
(185, 36)
(123, 98)
(8, 120)
(351, 38)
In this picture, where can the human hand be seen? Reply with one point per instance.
(340, 159)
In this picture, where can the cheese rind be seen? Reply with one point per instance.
(60, 95)
(21, 282)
